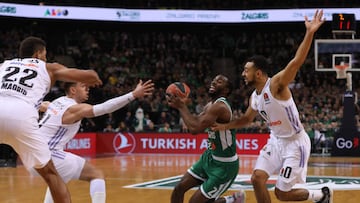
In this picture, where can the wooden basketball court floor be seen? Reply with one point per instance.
(124, 171)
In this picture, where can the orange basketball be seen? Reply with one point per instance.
(179, 89)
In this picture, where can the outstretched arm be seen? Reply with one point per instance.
(60, 72)
(241, 122)
(287, 75)
(80, 111)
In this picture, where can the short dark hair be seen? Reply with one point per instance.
(67, 86)
(261, 63)
(30, 45)
(229, 84)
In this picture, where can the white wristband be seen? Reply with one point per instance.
(112, 105)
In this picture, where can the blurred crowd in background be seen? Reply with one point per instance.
(192, 53)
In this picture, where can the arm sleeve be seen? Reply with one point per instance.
(112, 105)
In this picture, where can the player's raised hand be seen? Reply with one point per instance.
(143, 89)
(313, 25)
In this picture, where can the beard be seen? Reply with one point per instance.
(251, 82)
(213, 94)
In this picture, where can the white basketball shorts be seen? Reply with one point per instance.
(287, 157)
(18, 128)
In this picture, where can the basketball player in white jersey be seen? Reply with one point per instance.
(61, 122)
(288, 149)
(24, 83)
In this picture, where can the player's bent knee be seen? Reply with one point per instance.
(179, 189)
(259, 177)
(281, 195)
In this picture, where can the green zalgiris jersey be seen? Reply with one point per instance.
(222, 143)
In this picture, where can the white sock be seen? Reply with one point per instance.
(315, 195)
(229, 199)
(97, 191)
(98, 197)
(48, 198)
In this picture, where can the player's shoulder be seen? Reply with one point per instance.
(253, 94)
(221, 103)
(54, 66)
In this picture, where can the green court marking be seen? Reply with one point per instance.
(243, 181)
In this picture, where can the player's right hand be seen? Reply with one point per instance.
(177, 102)
(143, 89)
(93, 81)
(217, 127)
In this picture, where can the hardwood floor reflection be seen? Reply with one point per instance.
(17, 185)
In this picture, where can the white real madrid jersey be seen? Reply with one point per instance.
(282, 117)
(26, 79)
(51, 126)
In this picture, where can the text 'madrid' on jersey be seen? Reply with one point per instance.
(26, 79)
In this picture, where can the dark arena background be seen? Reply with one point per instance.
(143, 163)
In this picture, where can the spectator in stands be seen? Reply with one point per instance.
(183, 127)
(109, 128)
(139, 121)
(319, 137)
(121, 127)
(165, 128)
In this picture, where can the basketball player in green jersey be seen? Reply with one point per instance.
(218, 166)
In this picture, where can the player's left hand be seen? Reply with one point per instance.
(313, 25)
